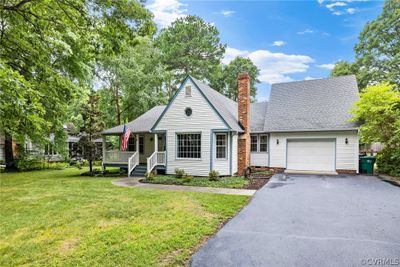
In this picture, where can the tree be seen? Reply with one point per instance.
(231, 72)
(379, 111)
(190, 46)
(378, 49)
(91, 128)
(48, 49)
(136, 76)
(342, 68)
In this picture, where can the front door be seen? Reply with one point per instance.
(142, 156)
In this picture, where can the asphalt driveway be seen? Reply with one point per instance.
(305, 220)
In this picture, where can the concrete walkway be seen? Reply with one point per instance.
(134, 182)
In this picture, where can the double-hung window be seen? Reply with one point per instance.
(188, 145)
(221, 145)
(259, 143)
(253, 143)
(263, 143)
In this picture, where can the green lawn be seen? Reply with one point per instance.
(60, 218)
(223, 182)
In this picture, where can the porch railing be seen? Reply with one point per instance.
(133, 161)
(117, 156)
(157, 158)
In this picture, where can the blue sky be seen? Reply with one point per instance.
(287, 40)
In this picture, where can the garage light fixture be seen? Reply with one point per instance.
(277, 141)
(346, 141)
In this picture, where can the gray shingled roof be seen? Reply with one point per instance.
(257, 116)
(322, 104)
(313, 105)
(226, 107)
(143, 123)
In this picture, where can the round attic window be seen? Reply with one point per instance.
(188, 112)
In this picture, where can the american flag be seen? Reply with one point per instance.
(125, 138)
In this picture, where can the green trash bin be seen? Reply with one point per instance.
(367, 164)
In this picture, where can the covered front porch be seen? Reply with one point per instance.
(145, 152)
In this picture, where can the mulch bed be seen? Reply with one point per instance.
(256, 183)
(97, 173)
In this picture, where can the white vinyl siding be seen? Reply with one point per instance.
(346, 154)
(203, 119)
(311, 154)
(259, 159)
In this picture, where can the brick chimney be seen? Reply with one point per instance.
(244, 120)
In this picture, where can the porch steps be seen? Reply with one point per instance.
(139, 171)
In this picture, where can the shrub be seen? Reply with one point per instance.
(97, 163)
(79, 165)
(187, 178)
(213, 175)
(57, 165)
(30, 162)
(179, 173)
(388, 160)
(149, 176)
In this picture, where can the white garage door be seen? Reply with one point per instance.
(311, 155)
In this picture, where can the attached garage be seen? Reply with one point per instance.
(311, 154)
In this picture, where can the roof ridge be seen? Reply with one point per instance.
(317, 79)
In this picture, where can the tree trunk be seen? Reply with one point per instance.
(90, 166)
(8, 146)
(117, 106)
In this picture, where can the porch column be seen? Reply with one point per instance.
(155, 142)
(137, 142)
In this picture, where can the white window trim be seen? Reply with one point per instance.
(259, 144)
(176, 146)
(226, 147)
(256, 135)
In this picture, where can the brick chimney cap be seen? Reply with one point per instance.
(243, 75)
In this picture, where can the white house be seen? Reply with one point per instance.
(303, 127)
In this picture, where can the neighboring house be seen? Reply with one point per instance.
(74, 151)
(304, 127)
(2, 150)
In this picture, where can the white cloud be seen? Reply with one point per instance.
(338, 7)
(305, 31)
(274, 67)
(335, 4)
(329, 66)
(279, 43)
(166, 11)
(350, 10)
(307, 78)
(231, 53)
(226, 13)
